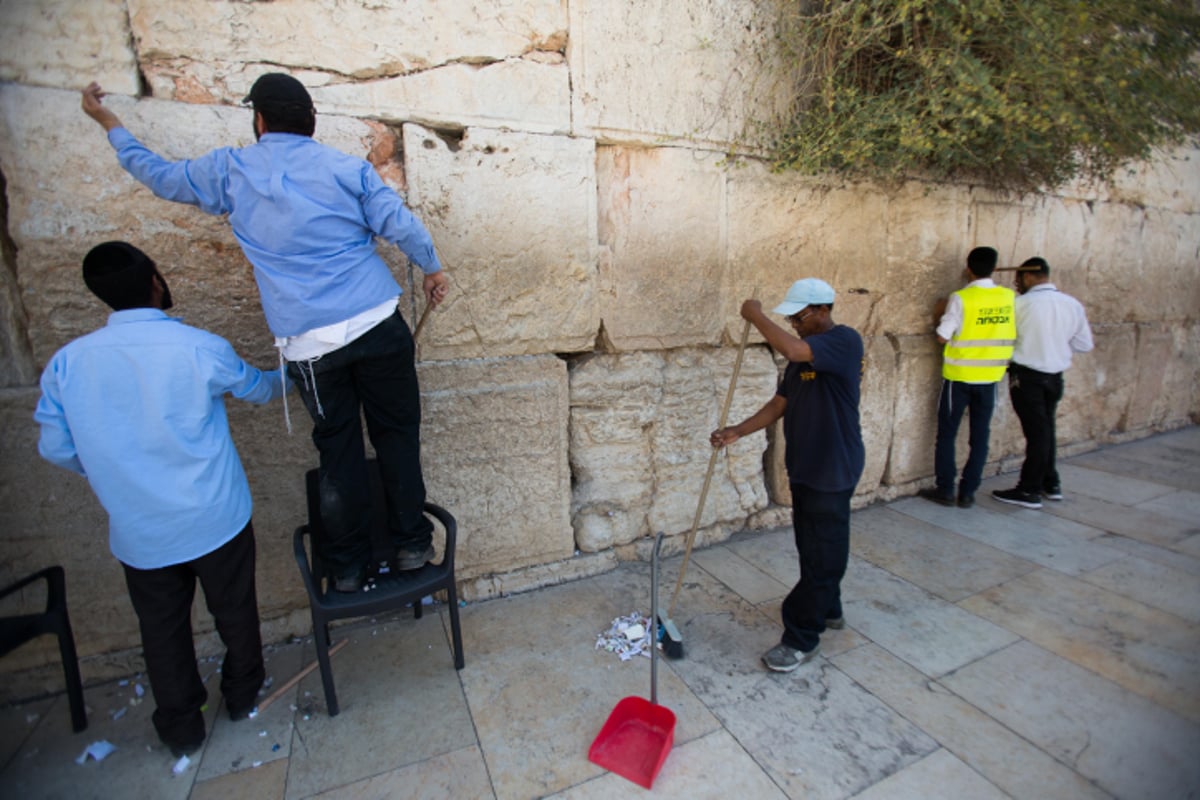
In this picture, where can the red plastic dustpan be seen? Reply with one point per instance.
(638, 735)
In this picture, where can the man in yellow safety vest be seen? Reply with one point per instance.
(978, 328)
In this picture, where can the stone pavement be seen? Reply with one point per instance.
(992, 652)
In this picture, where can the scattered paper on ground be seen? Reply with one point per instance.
(628, 636)
(99, 750)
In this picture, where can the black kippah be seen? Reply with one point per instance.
(119, 274)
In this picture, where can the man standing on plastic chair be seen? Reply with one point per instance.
(137, 407)
(306, 217)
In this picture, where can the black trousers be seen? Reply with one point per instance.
(162, 599)
(821, 523)
(1035, 397)
(373, 376)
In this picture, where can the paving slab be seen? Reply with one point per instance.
(1145, 650)
(401, 703)
(939, 776)
(929, 633)
(1044, 539)
(939, 561)
(1004, 758)
(1128, 745)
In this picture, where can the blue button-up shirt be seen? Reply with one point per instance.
(306, 216)
(138, 408)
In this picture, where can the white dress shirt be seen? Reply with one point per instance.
(1050, 327)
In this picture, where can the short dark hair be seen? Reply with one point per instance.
(982, 261)
(1036, 265)
(121, 275)
(288, 118)
(285, 105)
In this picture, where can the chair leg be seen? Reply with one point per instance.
(455, 629)
(66, 648)
(321, 640)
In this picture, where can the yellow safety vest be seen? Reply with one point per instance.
(983, 346)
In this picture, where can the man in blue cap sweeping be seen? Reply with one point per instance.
(818, 401)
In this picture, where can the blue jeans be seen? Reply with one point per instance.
(957, 397)
(376, 374)
(821, 522)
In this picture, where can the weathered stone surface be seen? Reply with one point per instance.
(67, 44)
(914, 421)
(661, 229)
(887, 256)
(639, 442)
(1168, 181)
(518, 93)
(360, 40)
(627, 59)
(514, 219)
(494, 449)
(67, 193)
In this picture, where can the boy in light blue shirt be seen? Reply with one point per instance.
(137, 407)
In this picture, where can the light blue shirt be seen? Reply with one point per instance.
(138, 408)
(306, 216)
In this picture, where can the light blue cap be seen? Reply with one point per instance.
(806, 292)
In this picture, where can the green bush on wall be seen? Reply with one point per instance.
(1018, 94)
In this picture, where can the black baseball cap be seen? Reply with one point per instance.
(278, 89)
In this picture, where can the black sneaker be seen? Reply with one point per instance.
(407, 559)
(966, 500)
(350, 582)
(1052, 493)
(1017, 497)
(937, 497)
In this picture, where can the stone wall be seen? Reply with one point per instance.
(589, 173)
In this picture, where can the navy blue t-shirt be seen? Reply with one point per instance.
(820, 425)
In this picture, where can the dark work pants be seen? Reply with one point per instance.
(821, 522)
(162, 599)
(957, 397)
(374, 374)
(1035, 397)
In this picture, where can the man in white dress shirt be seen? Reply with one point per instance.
(1051, 326)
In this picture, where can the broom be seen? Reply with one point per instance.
(672, 639)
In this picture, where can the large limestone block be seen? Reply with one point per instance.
(661, 222)
(1015, 227)
(494, 449)
(67, 44)
(1163, 390)
(1116, 270)
(1167, 181)
(1171, 254)
(886, 255)
(639, 442)
(514, 219)
(1100, 385)
(517, 93)
(628, 59)
(359, 40)
(66, 193)
(914, 426)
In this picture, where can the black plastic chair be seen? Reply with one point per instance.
(391, 592)
(16, 631)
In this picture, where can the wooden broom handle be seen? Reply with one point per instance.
(712, 462)
(299, 676)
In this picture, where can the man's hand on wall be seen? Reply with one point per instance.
(93, 106)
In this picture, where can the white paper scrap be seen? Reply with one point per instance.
(181, 765)
(99, 750)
